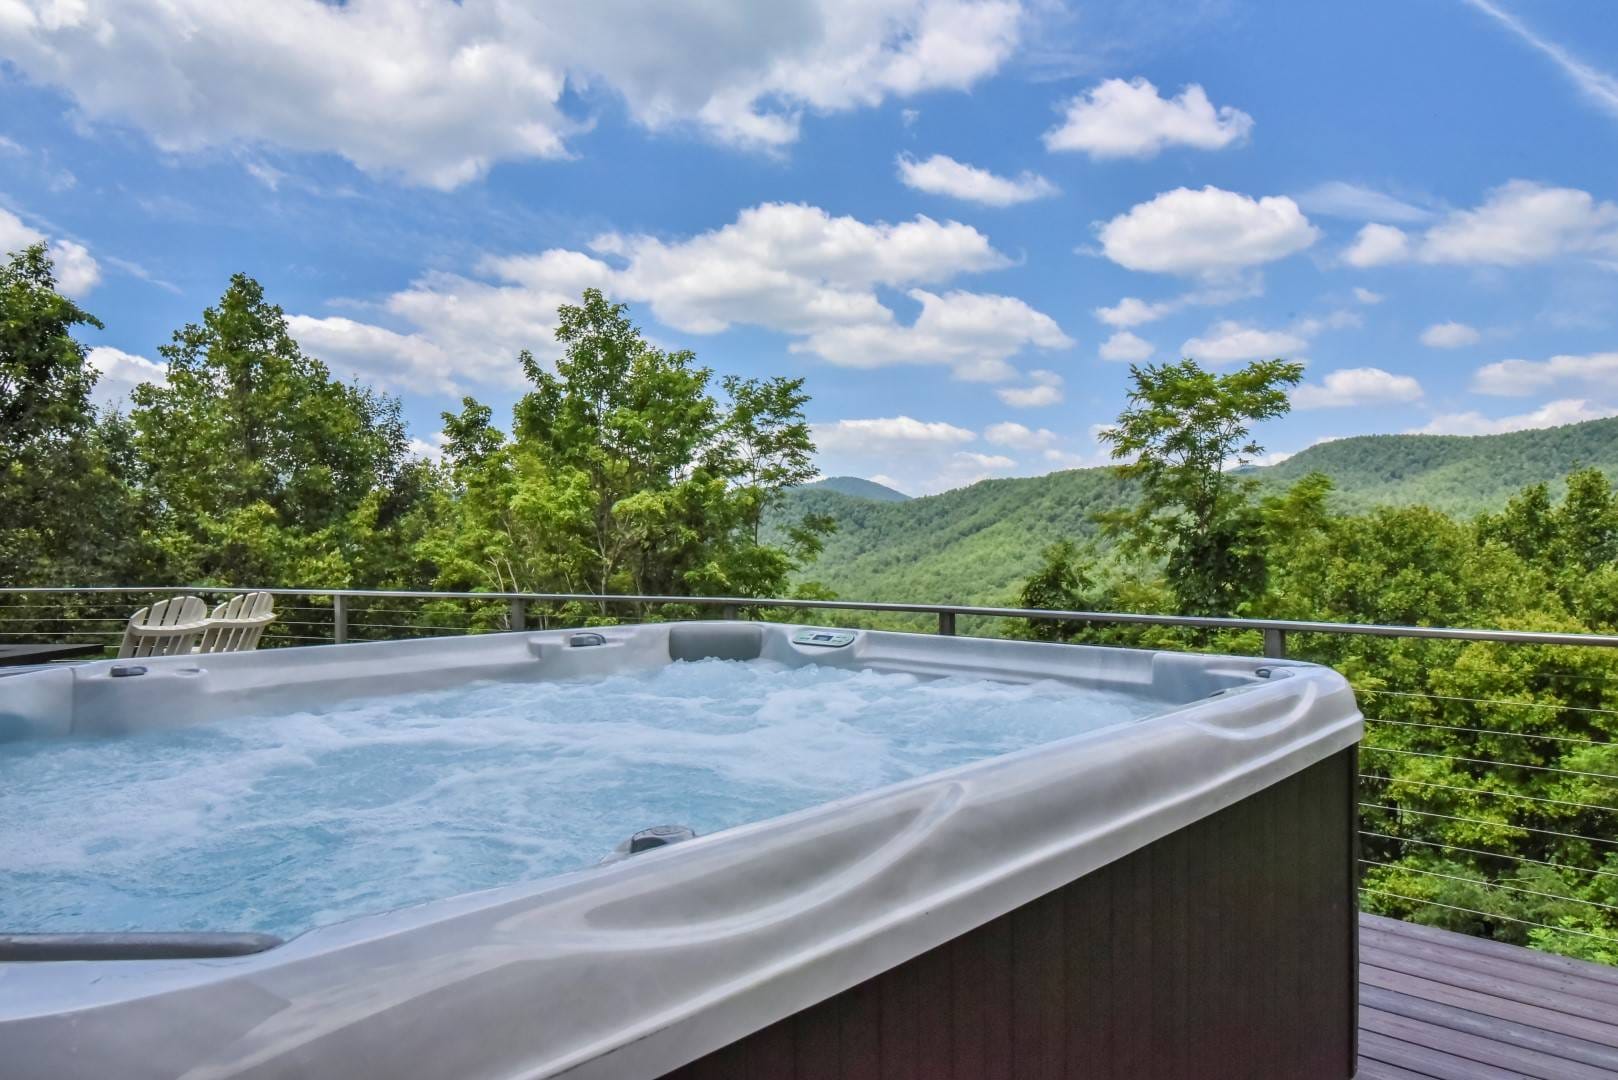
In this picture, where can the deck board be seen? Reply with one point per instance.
(1525, 974)
(1434, 1004)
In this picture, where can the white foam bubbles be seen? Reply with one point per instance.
(281, 823)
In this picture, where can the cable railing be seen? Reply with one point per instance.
(1488, 776)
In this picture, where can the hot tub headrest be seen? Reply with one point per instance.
(720, 641)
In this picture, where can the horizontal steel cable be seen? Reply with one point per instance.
(1488, 761)
(1489, 884)
(1488, 854)
(1486, 791)
(1489, 914)
(1490, 731)
(1486, 821)
(1489, 701)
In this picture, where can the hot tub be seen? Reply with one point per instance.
(915, 856)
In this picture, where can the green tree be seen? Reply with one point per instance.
(626, 473)
(768, 440)
(1574, 543)
(1183, 431)
(1588, 521)
(264, 467)
(1060, 584)
(45, 377)
(67, 504)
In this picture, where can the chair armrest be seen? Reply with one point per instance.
(169, 630)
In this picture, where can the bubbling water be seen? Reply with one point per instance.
(281, 823)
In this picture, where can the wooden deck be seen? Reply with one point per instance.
(1437, 1004)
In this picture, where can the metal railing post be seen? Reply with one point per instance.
(517, 616)
(339, 618)
(946, 623)
(730, 612)
(1275, 643)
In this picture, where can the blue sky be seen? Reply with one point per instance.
(958, 219)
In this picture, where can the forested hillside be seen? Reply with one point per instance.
(971, 545)
(1461, 474)
(976, 544)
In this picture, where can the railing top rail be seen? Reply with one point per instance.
(1519, 637)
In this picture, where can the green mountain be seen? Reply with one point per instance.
(1461, 474)
(858, 488)
(976, 544)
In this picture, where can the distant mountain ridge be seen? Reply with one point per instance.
(858, 488)
(1455, 473)
(977, 544)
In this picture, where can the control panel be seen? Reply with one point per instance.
(825, 639)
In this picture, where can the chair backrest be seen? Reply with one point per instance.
(167, 627)
(238, 623)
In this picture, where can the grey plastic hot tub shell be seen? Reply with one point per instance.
(634, 968)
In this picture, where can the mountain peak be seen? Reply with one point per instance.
(859, 488)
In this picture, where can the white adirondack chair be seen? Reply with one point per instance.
(238, 623)
(164, 629)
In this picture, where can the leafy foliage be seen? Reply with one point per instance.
(1059, 584)
(629, 468)
(261, 466)
(626, 474)
(62, 469)
(1183, 429)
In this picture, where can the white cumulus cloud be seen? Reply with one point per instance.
(912, 455)
(973, 333)
(1133, 311)
(1551, 414)
(1068, 459)
(460, 329)
(1044, 388)
(1124, 345)
(791, 266)
(1311, 325)
(349, 348)
(1118, 119)
(1521, 378)
(1020, 436)
(1211, 232)
(77, 271)
(1450, 335)
(943, 175)
(1375, 245)
(1517, 224)
(1357, 386)
(788, 268)
(1524, 222)
(892, 434)
(119, 372)
(1228, 341)
(438, 92)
